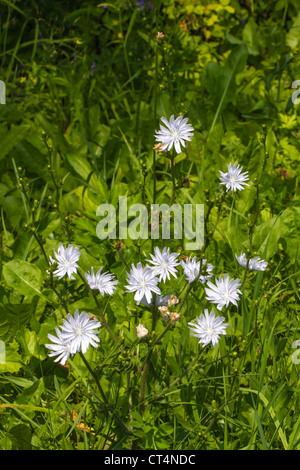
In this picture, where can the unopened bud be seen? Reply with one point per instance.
(164, 312)
(141, 331)
(174, 317)
(172, 300)
(158, 147)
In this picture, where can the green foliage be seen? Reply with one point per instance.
(86, 87)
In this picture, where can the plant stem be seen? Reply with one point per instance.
(63, 302)
(102, 317)
(146, 367)
(154, 122)
(105, 400)
(173, 179)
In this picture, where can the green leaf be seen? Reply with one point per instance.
(23, 277)
(12, 362)
(12, 318)
(32, 395)
(12, 138)
(78, 161)
(19, 381)
(20, 436)
(220, 81)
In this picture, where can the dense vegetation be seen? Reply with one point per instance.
(87, 84)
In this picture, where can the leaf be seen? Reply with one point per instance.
(32, 395)
(78, 161)
(253, 156)
(286, 226)
(23, 277)
(12, 138)
(251, 37)
(20, 381)
(220, 81)
(12, 361)
(30, 347)
(12, 318)
(20, 436)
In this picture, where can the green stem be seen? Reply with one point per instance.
(173, 179)
(105, 400)
(63, 302)
(102, 317)
(154, 121)
(146, 367)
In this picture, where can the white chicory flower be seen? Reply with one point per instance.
(208, 328)
(176, 132)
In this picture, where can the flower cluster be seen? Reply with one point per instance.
(192, 269)
(76, 334)
(144, 281)
(254, 264)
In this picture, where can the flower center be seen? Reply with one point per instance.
(175, 134)
(226, 295)
(67, 263)
(78, 331)
(209, 331)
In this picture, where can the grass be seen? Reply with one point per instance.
(86, 86)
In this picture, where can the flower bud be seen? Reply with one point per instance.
(164, 312)
(174, 317)
(141, 331)
(172, 300)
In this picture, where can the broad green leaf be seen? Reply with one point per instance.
(12, 362)
(24, 277)
(12, 318)
(12, 138)
(20, 436)
(220, 81)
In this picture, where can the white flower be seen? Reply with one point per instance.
(208, 328)
(66, 261)
(234, 179)
(104, 282)
(143, 282)
(255, 264)
(141, 331)
(224, 292)
(159, 301)
(60, 348)
(176, 132)
(80, 332)
(164, 263)
(192, 267)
